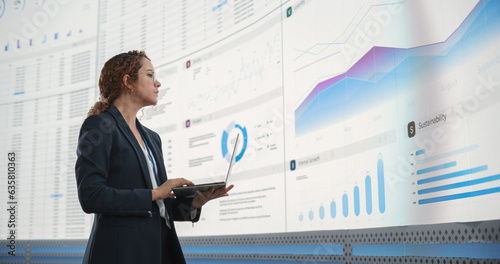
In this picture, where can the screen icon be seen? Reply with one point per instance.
(411, 129)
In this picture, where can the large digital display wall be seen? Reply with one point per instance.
(354, 114)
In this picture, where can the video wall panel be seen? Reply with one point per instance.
(353, 114)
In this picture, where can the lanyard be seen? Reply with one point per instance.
(150, 157)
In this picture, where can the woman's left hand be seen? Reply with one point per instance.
(202, 198)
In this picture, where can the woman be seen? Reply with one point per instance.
(121, 176)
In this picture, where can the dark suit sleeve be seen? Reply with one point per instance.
(92, 168)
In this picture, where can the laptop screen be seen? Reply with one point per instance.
(232, 157)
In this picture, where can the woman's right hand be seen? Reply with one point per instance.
(165, 190)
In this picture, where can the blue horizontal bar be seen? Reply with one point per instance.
(448, 154)
(465, 250)
(460, 184)
(18, 93)
(58, 250)
(316, 249)
(438, 167)
(453, 175)
(459, 196)
(420, 152)
(56, 259)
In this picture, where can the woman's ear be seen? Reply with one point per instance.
(127, 81)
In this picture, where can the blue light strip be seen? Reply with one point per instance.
(453, 175)
(6, 249)
(420, 152)
(243, 261)
(58, 250)
(438, 167)
(466, 250)
(460, 184)
(9, 259)
(304, 249)
(56, 259)
(459, 196)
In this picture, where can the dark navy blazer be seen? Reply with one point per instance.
(114, 183)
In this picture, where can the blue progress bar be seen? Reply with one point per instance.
(438, 167)
(459, 196)
(448, 154)
(453, 175)
(460, 184)
(420, 152)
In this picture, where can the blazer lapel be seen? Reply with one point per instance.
(156, 152)
(127, 133)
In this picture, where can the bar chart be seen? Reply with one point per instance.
(351, 202)
(448, 180)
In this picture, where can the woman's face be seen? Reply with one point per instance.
(147, 85)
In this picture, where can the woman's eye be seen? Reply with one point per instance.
(150, 75)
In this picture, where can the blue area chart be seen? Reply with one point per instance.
(225, 138)
(377, 76)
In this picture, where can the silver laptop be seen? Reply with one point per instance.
(190, 191)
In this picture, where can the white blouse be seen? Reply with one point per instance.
(150, 159)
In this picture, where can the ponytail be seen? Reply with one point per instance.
(99, 107)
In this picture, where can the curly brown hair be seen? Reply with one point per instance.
(111, 80)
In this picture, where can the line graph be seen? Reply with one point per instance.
(336, 40)
(239, 73)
